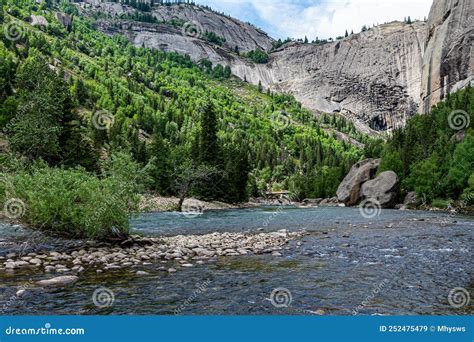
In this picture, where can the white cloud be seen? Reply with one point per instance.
(316, 18)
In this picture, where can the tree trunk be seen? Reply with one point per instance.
(183, 196)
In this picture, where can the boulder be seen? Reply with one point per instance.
(384, 189)
(58, 281)
(349, 189)
(65, 20)
(411, 201)
(38, 20)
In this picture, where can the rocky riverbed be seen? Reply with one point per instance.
(182, 250)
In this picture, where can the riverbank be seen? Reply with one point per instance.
(138, 252)
(152, 203)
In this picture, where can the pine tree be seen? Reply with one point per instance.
(161, 166)
(2, 13)
(208, 144)
(210, 187)
(347, 34)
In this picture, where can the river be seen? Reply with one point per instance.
(397, 263)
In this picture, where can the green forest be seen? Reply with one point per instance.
(90, 122)
(434, 154)
(76, 107)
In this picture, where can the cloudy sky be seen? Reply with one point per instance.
(318, 18)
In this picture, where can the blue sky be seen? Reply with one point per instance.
(318, 18)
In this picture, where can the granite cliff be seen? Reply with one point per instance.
(377, 79)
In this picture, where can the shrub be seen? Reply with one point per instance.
(74, 203)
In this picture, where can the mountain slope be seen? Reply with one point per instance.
(154, 105)
(378, 78)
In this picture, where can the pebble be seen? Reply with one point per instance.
(142, 273)
(182, 249)
(36, 262)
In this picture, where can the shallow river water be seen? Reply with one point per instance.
(398, 263)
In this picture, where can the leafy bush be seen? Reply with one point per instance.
(441, 203)
(75, 203)
(258, 56)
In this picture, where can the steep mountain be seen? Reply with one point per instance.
(449, 55)
(378, 78)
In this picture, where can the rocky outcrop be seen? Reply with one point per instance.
(378, 79)
(65, 20)
(448, 63)
(371, 78)
(348, 191)
(383, 189)
(197, 20)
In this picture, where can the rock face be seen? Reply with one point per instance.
(384, 189)
(448, 63)
(371, 78)
(189, 37)
(349, 190)
(377, 79)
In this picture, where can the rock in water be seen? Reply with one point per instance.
(383, 189)
(349, 190)
(58, 281)
(411, 201)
